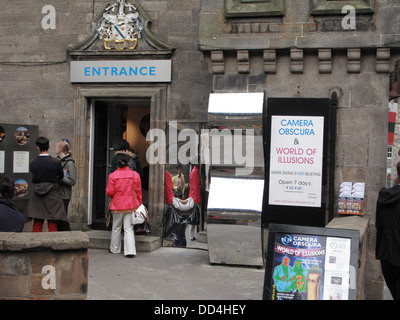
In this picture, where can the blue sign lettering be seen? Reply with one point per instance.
(121, 71)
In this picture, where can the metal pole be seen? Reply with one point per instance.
(333, 124)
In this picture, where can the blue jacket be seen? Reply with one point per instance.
(11, 220)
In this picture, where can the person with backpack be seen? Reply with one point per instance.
(64, 154)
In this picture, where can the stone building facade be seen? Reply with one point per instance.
(285, 48)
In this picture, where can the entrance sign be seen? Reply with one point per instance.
(308, 263)
(121, 71)
(297, 138)
(296, 161)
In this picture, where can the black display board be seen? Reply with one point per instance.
(296, 134)
(311, 263)
(17, 148)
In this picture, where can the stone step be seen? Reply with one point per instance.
(202, 236)
(100, 239)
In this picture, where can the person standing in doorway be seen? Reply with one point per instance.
(45, 202)
(124, 189)
(134, 163)
(388, 235)
(64, 154)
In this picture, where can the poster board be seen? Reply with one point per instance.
(17, 148)
(296, 136)
(311, 263)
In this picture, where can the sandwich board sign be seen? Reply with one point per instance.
(311, 263)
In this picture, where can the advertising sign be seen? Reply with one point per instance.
(298, 146)
(308, 263)
(17, 148)
(296, 160)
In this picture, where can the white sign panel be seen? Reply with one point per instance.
(21, 162)
(236, 194)
(337, 267)
(236, 103)
(121, 71)
(295, 177)
(2, 161)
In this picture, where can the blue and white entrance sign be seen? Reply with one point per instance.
(296, 156)
(121, 71)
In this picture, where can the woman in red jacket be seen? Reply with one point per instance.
(124, 189)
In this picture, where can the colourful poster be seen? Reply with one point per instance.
(310, 267)
(351, 198)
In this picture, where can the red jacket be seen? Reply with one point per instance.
(120, 189)
(194, 183)
(168, 193)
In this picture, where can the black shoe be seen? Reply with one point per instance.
(130, 256)
(193, 239)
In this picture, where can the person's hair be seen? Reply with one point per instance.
(123, 145)
(121, 160)
(64, 147)
(67, 141)
(397, 181)
(42, 143)
(7, 187)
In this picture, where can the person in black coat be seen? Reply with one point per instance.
(11, 220)
(388, 235)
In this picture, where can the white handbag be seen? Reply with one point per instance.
(137, 217)
(140, 214)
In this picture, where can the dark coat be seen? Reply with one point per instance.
(46, 203)
(388, 225)
(11, 220)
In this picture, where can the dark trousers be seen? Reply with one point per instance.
(391, 274)
(64, 225)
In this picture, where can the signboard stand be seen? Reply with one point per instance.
(311, 263)
(296, 138)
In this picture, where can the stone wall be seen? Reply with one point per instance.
(44, 266)
(34, 72)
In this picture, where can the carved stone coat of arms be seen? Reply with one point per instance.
(120, 28)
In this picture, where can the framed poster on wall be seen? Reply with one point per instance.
(311, 263)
